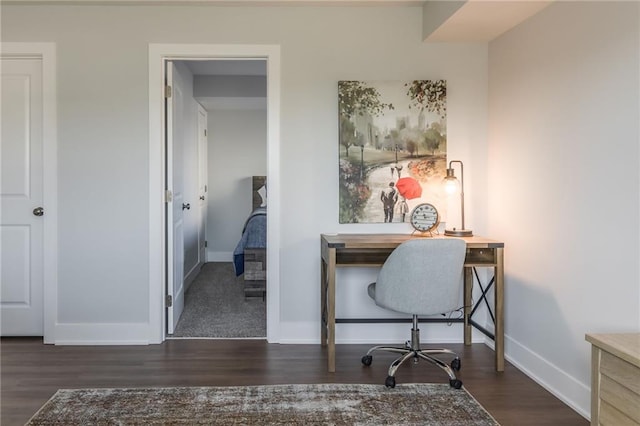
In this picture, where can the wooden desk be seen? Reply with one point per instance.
(353, 250)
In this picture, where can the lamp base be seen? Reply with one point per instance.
(458, 232)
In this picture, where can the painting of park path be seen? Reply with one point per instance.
(392, 149)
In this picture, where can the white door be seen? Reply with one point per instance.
(21, 197)
(174, 205)
(202, 182)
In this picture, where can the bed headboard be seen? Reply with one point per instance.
(257, 182)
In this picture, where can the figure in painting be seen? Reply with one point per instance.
(399, 169)
(404, 208)
(389, 197)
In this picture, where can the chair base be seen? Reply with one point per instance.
(412, 350)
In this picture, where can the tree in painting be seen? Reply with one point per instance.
(429, 94)
(355, 99)
(390, 131)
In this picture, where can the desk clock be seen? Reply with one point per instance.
(424, 218)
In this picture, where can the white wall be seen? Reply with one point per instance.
(237, 140)
(103, 141)
(564, 185)
(237, 151)
(230, 86)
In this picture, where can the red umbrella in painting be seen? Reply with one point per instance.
(409, 188)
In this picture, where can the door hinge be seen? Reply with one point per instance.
(205, 132)
(205, 188)
(205, 244)
(169, 301)
(168, 196)
(167, 91)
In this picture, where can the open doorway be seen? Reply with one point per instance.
(161, 222)
(217, 126)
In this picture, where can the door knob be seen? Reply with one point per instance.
(186, 206)
(38, 211)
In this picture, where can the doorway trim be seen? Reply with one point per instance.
(158, 54)
(47, 53)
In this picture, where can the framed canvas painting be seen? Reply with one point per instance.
(392, 148)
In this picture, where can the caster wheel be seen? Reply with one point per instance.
(366, 360)
(390, 382)
(455, 383)
(455, 364)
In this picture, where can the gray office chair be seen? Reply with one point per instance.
(421, 277)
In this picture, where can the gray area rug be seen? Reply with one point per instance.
(215, 306)
(320, 404)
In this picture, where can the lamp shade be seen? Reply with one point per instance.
(452, 185)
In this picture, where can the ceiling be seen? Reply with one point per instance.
(456, 21)
(482, 21)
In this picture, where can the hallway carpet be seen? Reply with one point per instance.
(215, 306)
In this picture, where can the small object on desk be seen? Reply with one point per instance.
(451, 185)
(424, 218)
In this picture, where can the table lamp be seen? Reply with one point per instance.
(451, 185)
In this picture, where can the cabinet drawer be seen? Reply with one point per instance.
(255, 255)
(480, 256)
(620, 397)
(255, 264)
(609, 415)
(255, 288)
(253, 271)
(628, 375)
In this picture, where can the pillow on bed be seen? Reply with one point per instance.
(262, 192)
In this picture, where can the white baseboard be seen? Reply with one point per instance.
(102, 334)
(375, 334)
(219, 256)
(568, 389)
(191, 275)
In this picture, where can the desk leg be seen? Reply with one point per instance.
(323, 302)
(499, 306)
(468, 288)
(331, 310)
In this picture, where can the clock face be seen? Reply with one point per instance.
(424, 217)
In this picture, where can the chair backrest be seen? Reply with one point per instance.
(422, 277)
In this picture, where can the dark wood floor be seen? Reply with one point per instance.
(31, 373)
